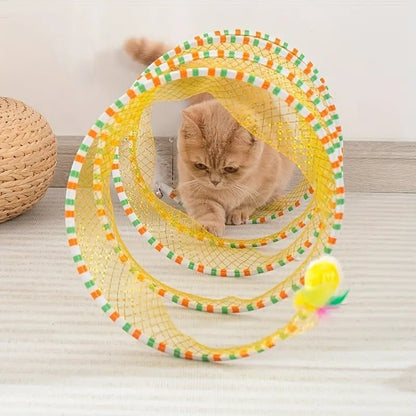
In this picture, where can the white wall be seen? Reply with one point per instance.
(65, 58)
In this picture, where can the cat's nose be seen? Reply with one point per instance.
(215, 182)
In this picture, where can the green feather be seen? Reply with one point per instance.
(337, 300)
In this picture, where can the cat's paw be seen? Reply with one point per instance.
(215, 228)
(238, 216)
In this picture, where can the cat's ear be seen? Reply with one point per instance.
(247, 137)
(191, 120)
(244, 135)
(191, 115)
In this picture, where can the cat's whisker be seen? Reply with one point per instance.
(240, 194)
(246, 192)
(192, 183)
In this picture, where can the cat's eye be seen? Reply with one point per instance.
(230, 169)
(200, 166)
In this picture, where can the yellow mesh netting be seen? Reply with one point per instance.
(125, 143)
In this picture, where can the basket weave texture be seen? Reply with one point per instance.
(27, 157)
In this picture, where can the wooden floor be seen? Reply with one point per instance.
(60, 355)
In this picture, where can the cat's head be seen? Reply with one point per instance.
(214, 148)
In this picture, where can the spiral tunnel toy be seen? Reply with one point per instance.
(275, 93)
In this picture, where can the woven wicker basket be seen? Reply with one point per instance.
(27, 157)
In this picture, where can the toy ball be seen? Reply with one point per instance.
(322, 278)
(27, 157)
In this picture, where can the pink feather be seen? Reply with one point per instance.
(323, 312)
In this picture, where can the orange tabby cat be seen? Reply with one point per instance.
(224, 172)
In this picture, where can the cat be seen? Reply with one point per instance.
(224, 172)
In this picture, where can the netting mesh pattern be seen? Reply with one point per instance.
(277, 95)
